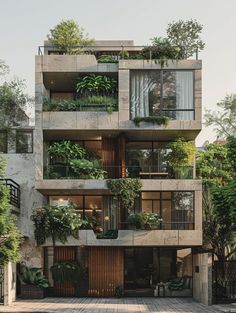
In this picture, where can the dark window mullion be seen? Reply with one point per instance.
(161, 100)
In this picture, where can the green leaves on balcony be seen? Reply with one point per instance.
(96, 85)
(66, 150)
(157, 120)
(88, 169)
(127, 189)
(55, 222)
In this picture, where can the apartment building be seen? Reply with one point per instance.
(113, 256)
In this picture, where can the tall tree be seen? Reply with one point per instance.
(216, 166)
(10, 237)
(186, 36)
(67, 36)
(224, 119)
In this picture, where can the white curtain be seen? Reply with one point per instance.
(184, 95)
(141, 84)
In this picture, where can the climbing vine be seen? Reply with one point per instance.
(127, 189)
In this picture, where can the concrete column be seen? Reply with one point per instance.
(9, 283)
(202, 277)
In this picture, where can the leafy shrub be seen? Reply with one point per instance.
(33, 276)
(106, 58)
(65, 272)
(96, 84)
(88, 169)
(66, 150)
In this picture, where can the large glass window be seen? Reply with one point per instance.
(103, 209)
(145, 159)
(162, 92)
(24, 141)
(176, 208)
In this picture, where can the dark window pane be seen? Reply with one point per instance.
(3, 142)
(24, 142)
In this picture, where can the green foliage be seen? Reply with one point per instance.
(161, 50)
(218, 223)
(158, 120)
(4, 68)
(56, 222)
(96, 84)
(13, 101)
(66, 150)
(88, 169)
(127, 189)
(106, 58)
(216, 166)
(119, 292)
(90, 103)
(223, 120)
(33, 276)
(65, 272)
(144, 220)
(213, 165)
(67, 36)
(185, 35)
(180, 153)
(10, 237)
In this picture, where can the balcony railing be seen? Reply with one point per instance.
(145, 172)
(118, 52)
(14, 191)
(182, 225)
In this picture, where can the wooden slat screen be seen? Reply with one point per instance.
(61, 254)
(106, 270)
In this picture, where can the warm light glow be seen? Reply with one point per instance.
(106, 218)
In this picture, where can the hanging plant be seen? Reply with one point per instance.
(127, 189)
(56, 222)
(65, 272)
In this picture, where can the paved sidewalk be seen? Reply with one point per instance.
(109, 305)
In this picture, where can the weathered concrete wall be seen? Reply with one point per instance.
(202, 278)
(21, 168)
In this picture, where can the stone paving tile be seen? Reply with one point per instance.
(109, 305)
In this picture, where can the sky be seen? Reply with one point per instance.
(24, 25)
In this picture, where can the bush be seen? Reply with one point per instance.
(33, 276)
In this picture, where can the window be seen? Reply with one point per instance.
(163, 92)
(3, 142)
(145, 157)
(176, 208)
(24, 141)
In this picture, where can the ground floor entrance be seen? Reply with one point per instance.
(106, 271)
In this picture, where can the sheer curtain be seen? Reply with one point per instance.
(141, 84)
(184, 95)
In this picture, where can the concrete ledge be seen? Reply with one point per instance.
(138, 238)
(98, 186)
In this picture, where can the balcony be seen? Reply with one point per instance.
(60, 171)
(14, 192)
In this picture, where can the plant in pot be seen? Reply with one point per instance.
(151, 220)
(65, 272)
(33, 283)
(180, 157)
(135, 221)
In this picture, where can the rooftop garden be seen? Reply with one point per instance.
(181, 42)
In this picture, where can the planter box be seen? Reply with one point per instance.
(31, 292)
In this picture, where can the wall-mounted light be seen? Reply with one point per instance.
(107, 218)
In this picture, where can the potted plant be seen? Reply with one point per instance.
(135, 221)
(33, 283)
(65, 272)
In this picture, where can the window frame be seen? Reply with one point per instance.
(163, 110)
(6, 141)
(18, 131)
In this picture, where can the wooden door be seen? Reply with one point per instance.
(63, 254)
(106, 270)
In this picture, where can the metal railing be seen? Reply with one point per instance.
(118, 51)
(14, 191)
(182, 225)
(63, 171)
